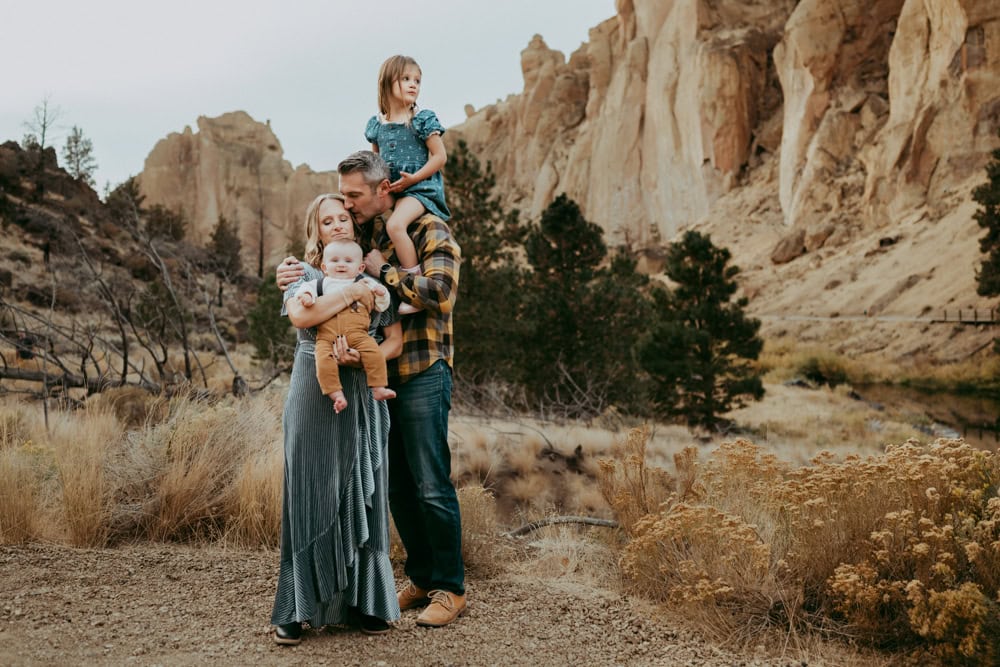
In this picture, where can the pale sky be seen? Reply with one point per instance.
(129, 72)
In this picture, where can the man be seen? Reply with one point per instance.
(421, 495)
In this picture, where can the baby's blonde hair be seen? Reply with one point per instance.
(390, 72)
(343, 244)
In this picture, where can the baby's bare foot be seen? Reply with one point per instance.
(382, 393)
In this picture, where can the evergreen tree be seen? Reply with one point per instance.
(226, 247)
(700, 348)
(270, 333)
(490, 282)
(987, 196)
(79, 156)
(125, 201)
(162, 223)
(583, 320)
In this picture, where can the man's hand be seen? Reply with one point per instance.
(288, 272)
(373, 262)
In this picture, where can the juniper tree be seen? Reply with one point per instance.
(225, 246)
(162, 223)
(700, 348)
(269, 332)
(490, 286)
(584, 318)
(987, 196)
(78, 154)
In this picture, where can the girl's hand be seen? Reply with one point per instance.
(405, 181)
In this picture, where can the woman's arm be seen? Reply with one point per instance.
(325, 307)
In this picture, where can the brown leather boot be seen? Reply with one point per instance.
(444, 608)
(412, 597)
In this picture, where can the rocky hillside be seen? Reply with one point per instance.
(832, 146)
(233, 166)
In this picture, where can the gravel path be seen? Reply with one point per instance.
(154, 604)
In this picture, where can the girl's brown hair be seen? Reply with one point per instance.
(390, 72)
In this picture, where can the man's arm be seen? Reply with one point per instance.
(437, 286)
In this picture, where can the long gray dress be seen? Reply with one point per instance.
(334, 518)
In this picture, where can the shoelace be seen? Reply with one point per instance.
(411, 590)
(442, 598)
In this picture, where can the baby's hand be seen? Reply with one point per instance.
(378, 289)
(307, 299)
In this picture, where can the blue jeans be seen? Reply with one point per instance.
(421, 495)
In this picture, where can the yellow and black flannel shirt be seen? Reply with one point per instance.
(428, 333)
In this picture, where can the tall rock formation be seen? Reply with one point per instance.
(233, 166)
(832, 145)
(648, 123)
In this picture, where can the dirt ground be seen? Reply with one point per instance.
(155, 604)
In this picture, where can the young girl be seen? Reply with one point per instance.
(410, 142)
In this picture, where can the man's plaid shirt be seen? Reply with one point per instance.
(427, 334)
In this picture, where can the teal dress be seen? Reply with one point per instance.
(404, 148)
(335, 509)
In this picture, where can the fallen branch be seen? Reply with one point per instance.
(541, 523)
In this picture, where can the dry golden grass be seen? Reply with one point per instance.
(203, 450)
(253, 506)
(485, 550)
(196, 471)
(18, 498)
(80, 446)
(784, 359)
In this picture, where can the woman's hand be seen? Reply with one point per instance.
(289, 271)
(344, 354)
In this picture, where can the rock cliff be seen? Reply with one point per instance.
(832, 145)
(233, 166)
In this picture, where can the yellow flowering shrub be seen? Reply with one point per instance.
(899, 550)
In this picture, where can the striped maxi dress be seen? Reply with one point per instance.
(334, 517)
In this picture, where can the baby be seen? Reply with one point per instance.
(343, 265)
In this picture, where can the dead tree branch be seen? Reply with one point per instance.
(555, 520)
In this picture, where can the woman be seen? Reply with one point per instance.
(335, 565)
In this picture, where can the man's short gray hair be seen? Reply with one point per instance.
(373, 167)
